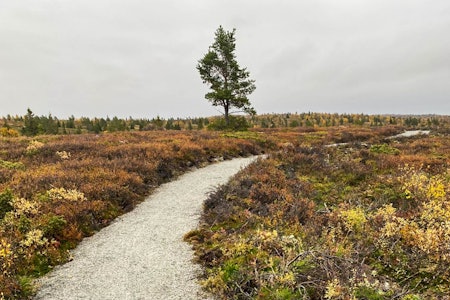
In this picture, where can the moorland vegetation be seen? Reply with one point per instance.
(57, 189)
(323, 219)
(33, 125)
(296, 224)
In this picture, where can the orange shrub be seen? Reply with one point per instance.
(68, 187)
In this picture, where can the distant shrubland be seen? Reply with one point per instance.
(32, 125)
(337, 210)
(369, 219)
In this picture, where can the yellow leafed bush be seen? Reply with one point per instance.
(51, 198)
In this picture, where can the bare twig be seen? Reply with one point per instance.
(298, 256)
(242, 291)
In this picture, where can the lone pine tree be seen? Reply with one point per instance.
(229, 83)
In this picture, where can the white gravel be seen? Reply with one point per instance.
(142, 255)
(411, 133)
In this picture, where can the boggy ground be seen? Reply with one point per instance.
(56, 190)
(365, 220)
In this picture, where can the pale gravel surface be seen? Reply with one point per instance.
(142, 255)
(411, 133)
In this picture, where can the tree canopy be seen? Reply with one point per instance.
(229, 83)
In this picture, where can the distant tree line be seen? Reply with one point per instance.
(32, 125)
(311, 119)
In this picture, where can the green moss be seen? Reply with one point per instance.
(247, 135)
(40, 265)
(279, 293)
(53, 225)
(384, 149)
(6, 198)
(411, 297)
(11, 165)
(27, 288)
(230, 271)
(369, 293)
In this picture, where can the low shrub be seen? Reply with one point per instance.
(235, 123)
(58, 189)
(349, 222)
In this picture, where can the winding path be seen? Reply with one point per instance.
(142, 255)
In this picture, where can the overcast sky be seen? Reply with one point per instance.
(138, 58)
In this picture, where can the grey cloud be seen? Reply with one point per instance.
(138, 57)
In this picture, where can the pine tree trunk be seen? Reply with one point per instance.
(227, 118)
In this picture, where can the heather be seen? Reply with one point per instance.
(56, 190)
(324, 219)
(336, 210)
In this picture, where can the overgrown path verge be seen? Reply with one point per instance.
(142, 255)
(363, 220)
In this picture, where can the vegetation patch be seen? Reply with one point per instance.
(11, 165)
(314, 222)
(384, 149)
(60, 189)
(310, 221)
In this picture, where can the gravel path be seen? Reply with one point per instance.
(142, 255)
